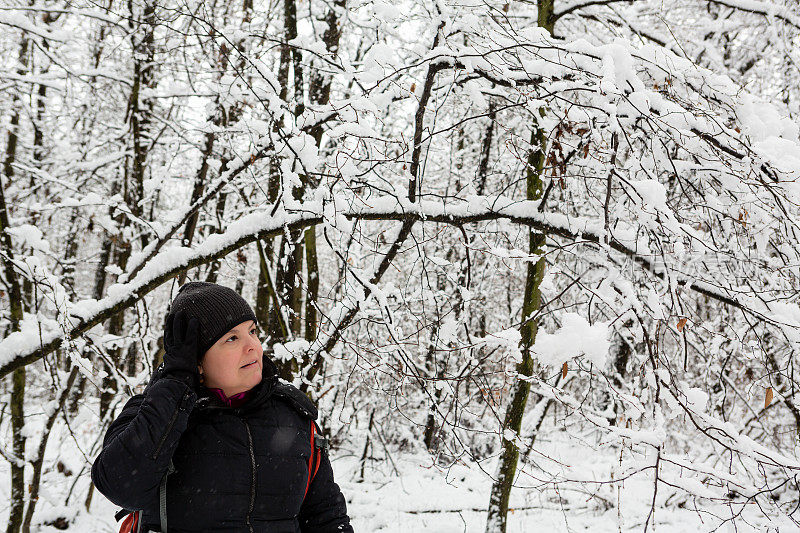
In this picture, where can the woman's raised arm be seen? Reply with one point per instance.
(139, 444)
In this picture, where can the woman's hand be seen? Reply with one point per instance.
(181, 335)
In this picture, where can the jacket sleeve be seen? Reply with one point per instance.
(324, 510)
(139, 444)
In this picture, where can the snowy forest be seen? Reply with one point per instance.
(536, 262)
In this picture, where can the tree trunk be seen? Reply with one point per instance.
(486, 147)
(313, 283)
(435, 364)
(319, 90)
(221, 118)
(140, 110)
(116, 326)
(222, 199)
(18, 448)
(16, 310)
(38, 460)
(99, 290)
(319, 93)
(509, 456)
(290, 251)
(13, 128)
(264, 289)
(407, 226)
(507, 465)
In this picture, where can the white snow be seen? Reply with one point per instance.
(575, 337)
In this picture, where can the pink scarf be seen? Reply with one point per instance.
(237, 400)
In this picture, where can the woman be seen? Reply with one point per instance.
(217, 442)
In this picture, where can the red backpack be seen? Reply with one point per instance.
(132, 522)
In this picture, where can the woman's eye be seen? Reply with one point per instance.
(233, 337)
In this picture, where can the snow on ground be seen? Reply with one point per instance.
(408, 492)
(424, 499)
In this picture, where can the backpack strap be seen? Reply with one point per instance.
(162, 498)
(296, 398)
(132, 522)
(318, 443)
(311, 459)
(302, 404)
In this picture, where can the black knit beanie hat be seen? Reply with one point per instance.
(218, 308)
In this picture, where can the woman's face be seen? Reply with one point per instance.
(234, 362)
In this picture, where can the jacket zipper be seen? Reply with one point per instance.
(253, 479)
(171, 423)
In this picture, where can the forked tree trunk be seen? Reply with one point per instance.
(38, 459)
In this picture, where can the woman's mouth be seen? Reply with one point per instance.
(251, 363)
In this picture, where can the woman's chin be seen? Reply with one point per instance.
(254, 377)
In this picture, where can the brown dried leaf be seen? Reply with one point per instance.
(681, 324)
(743, 216)
(564, 369)
(768, 397)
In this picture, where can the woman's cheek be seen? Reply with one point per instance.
(223, 367)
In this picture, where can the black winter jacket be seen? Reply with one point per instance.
(239, 469)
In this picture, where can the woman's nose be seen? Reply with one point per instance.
(254, 344)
